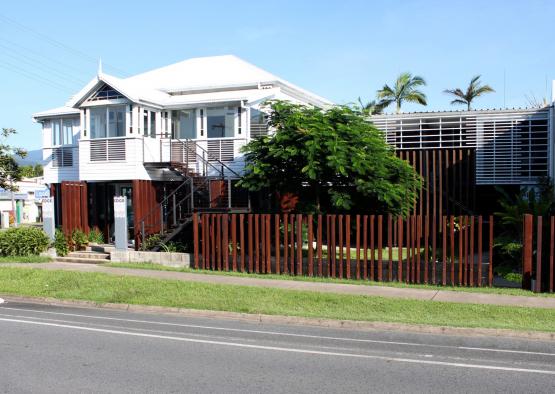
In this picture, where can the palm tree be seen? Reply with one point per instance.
(405, 90)
(474, 89)
(371, 107)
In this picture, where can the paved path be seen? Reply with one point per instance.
(382, 291)
(51, 349)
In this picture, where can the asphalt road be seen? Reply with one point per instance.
(50, 349)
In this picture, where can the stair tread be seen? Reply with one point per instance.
(71, 259)
(89, 255)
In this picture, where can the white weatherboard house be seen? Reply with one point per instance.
(169, 139)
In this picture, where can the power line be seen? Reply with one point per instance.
(57, 43)
(32, 62)
(35, 77)
(18, 47)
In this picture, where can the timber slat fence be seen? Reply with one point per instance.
(447, 250)
(538, 254)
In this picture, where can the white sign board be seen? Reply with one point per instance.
(48, 220)
(120, 222)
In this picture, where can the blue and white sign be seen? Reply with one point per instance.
(41, 194)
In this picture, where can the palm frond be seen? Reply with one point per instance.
(459, 101)
(416, 96)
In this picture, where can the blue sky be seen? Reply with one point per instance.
(338, 49)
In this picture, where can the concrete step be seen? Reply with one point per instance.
(81, 260)
(104, 248)
(89, 255)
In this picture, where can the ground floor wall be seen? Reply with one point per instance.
(74, 206)
(86, 205)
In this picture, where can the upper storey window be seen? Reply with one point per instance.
(106, 93)
(107, 122)
(184, 124)
(258, 123)
(220, 122)
(64, 131)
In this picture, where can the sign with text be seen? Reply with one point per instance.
(120, 222)
(48, 217)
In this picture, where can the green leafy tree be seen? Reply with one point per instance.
(9, 169)
(475, 89)
(31, 171)
(333, 152)
(405, 90)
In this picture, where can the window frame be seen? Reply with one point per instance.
(115, 109)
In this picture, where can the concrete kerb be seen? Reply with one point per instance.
(291, 320)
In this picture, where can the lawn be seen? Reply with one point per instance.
(487, 290)
(132, 290)
(24, 259)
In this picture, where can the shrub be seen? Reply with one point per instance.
(513, 277)
(173, 247)
(23, 241)
(79, 239)
(96, 236)
(60, 244)
(151, 242)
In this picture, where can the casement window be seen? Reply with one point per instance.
(107, 122)
(67, 132)
(56, 132)
(149, 123)
(220, 122)
(63, 131)
(184, 124)
(153, 124)
(239, 121)
(145, 122)
(258, 123)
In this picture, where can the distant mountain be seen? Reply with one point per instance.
(33, 157)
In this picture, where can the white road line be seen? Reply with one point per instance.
(1, 301)
(344, 339)
(285, 349)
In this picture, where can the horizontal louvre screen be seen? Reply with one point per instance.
(511, 146)
(107, 150)
(258, 130)
(62, 157)
(222, 150)
(116, 150)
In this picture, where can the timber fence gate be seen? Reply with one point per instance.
(444, 250)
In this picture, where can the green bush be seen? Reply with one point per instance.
(60, 244)
(96, 236)
(23, 241)
(151, 242)
(79, 239)
(513, 277)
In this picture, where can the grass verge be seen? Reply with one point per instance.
(486, 290)
(24, 259)
(130, 290)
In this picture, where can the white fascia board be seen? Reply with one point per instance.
(304, 95)
(55, 112)
(88, 89)
(211, 88)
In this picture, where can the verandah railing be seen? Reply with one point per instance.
(418, 249)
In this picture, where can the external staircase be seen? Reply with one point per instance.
(204, 184)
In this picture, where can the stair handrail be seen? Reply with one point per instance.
(205, 161)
